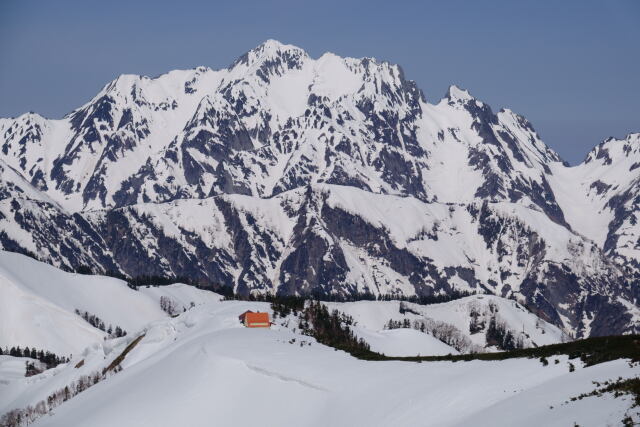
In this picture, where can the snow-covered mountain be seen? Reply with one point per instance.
(276, 120)
(333, 176)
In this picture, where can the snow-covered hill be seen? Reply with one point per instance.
(203, 367)
(38, 305)
(334, 176)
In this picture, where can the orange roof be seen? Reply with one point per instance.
(257, 317)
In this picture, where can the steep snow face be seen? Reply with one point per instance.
(132, 119)
(30, 144)
(203, 366)
(476, 154)
(600, 196)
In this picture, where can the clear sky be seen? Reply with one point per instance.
(571, 67)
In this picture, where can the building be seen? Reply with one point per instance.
(255, 320)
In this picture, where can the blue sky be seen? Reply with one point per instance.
(571, 67)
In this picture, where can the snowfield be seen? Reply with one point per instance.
(202, 367)
(404, 342)
(38, 303)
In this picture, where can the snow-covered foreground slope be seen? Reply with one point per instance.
(203, 368)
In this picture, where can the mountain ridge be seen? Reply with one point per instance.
(268, 154)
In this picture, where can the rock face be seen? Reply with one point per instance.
(330, 176)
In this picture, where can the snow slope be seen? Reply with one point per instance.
(13, 368)
(404, 342)
(514, 315)
(38, 303)
(203, 367)
(183, 295)
(373, 316)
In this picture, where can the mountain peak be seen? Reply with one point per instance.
(457, 94)
(272, 45)
(612, 150)
(269, 50)
(124, 82)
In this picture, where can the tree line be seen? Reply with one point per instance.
(170, 306)
(228, 292)
(332, 329)
(426, 299)
(49, 359)
(96, 322)
(25, 416)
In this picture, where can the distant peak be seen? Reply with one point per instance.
(629, 138)
(126, 80)
(30, 117)
(455, 93)
(269, 49)
(274, 45)
(123, 84)
(611, 149)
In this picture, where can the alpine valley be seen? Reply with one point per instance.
(334, 177)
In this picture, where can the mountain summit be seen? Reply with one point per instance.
(331, 176)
